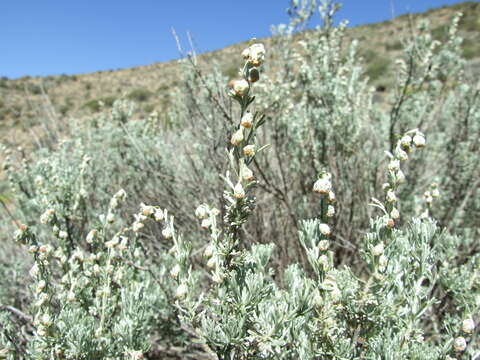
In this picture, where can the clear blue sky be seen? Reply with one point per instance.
(47, 37)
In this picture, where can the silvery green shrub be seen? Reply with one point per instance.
(332, 227)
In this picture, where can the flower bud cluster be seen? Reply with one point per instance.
(403, 148)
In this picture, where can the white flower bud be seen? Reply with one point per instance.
(256, 54)
(460, 344)
(419, 141)
(322, 185)
(41, 285)
(167, 232)
(401, 154)
(46, 320)
(400, 177)
(206, 223)
(406, 140)
(324, 229)
(246, 53)
(137, 226)
(390, 223)
(330, 211)
(382, 260)
(63, 235)
(71, 296)
(247, 120)
(323, 245)
(147, 210)
(323, 260)
(395, 214)
(201, 212)
(428, 197)
(212, 262)
(239, 87)
(391, 197)
(158, 215)
(91, 236)
(175, 271)
(47, 216)
(121, 195)
(249, 150)
(237, 137)
(378, 249)
(394, 165)
(113, 203)
(110, 218)
(208, 252)
(435, 193)
(238, 191)
(247, 174)
(468, 326)
(331, 196)
(181, 291)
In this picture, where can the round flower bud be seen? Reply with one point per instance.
(390, 223)
(91, 236)
(137, 226)
(246, 53)
(237, 137)
(323, 245)
(324, 229)
(330, 211)
(247, 120)
(206, 223)
(253, 75)
(400, 177)
(394, 165)
(247, 174)
(435, 193)
(175, 271)
(201, 212)
(121, 195)
(62, 234)
(378, 249)
(331, 196)
(419, 141)
(146, 209)
(239, 87)
(158, 215)
(322, 186)
(395, 214)
(401, 154)
(460, 344)
(208, 252)
(249, 150)
(212, 262)
(406, 140)
(391, 197)
(382, 260)
(256, 54)
(468, 326)
(238, 191)
(181, 291)
(110, 218)
(167, 232)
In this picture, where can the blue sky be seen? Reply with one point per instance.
(48, 37)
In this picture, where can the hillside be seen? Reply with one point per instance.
(26, 101)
